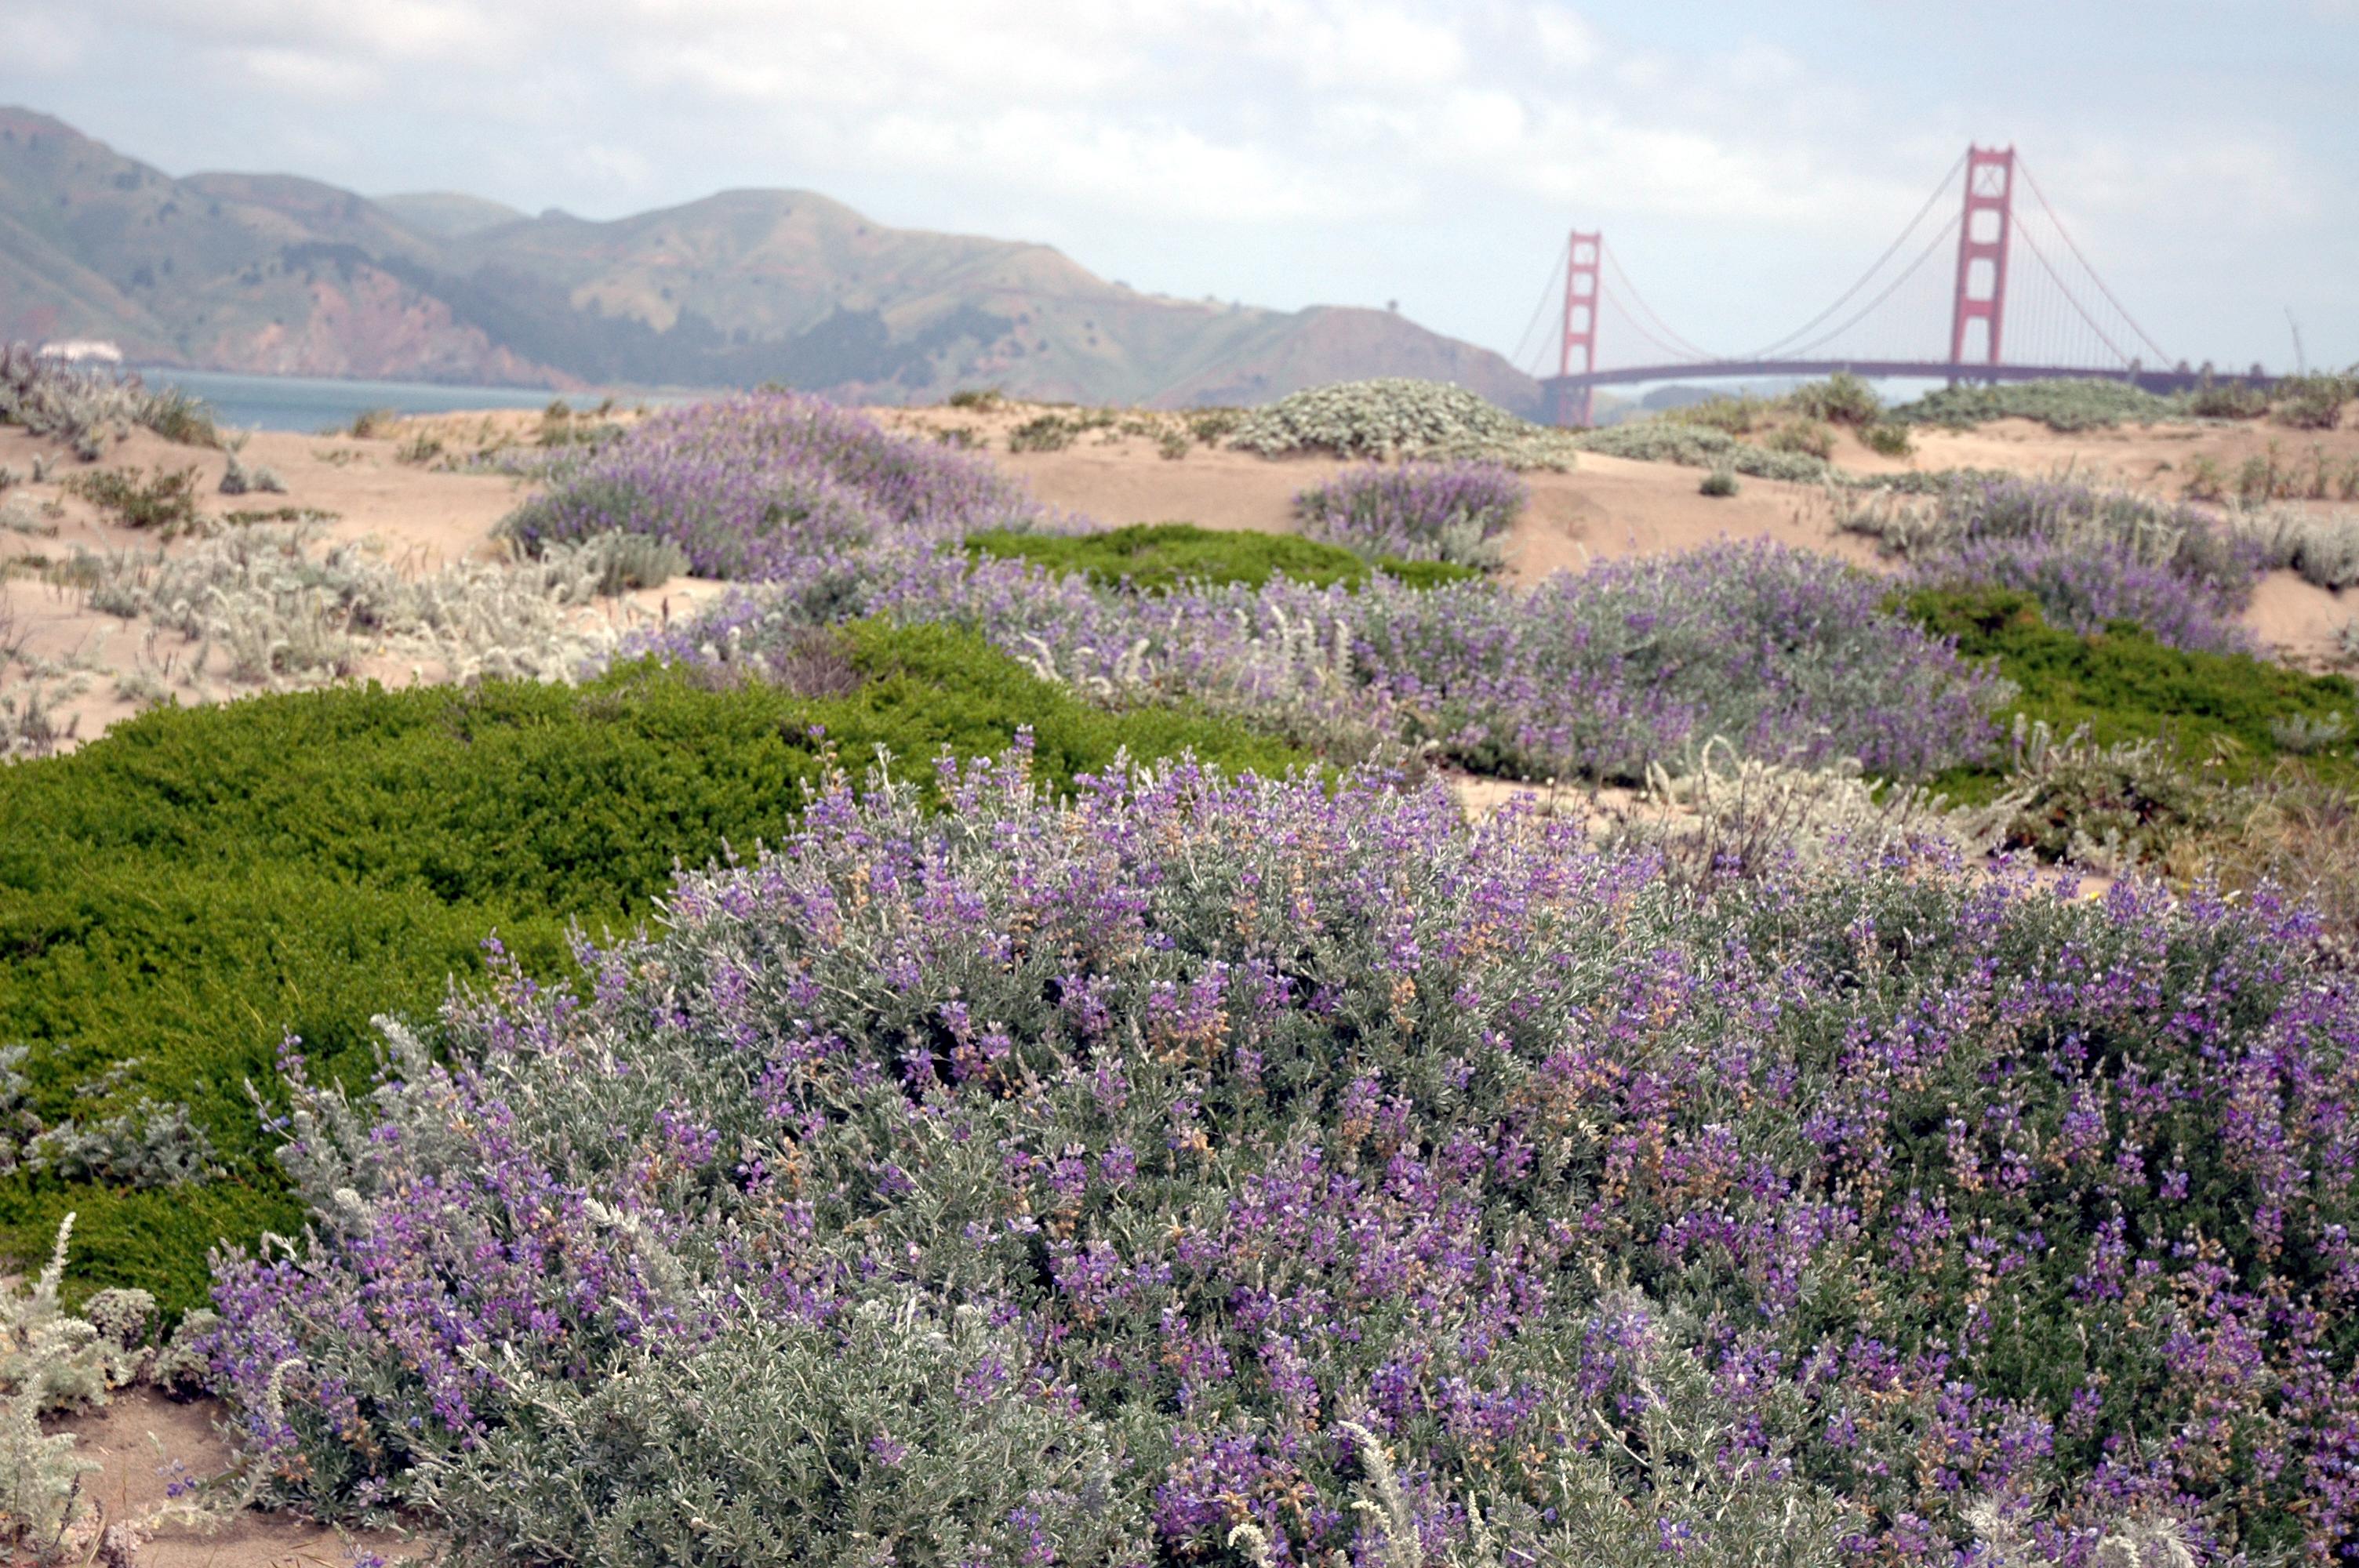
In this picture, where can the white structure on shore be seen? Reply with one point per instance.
(82, 351)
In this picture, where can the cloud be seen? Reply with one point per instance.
(1262, 144)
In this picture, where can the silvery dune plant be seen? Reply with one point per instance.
(1397, 416)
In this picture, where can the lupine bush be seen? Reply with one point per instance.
(1790, 653)
(2091, 556)
(2320, 550)
(2086, 591)
(279, 606)
(1456, 512)
(745, 485)
(1242, 1151)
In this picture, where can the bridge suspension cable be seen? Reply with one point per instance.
(1941, 188)
(2046, 321)
(2024, 232)
(1630, 289)
(1864, 311)
(1530, 344)
(2094, 275)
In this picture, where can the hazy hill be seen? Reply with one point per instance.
(280, 273)
(447, 214)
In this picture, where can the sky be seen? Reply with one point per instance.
(1745, 161)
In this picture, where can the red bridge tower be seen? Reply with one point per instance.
(1580, 324)
(1981, 252)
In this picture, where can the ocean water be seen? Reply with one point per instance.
(314, 403)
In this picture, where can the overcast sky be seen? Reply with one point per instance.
(1745, 160)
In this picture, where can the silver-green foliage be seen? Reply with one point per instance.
(2323, 549)
(2069, 405)
(1729, 815)
(898, 1435)
(52, 1361)
(150, 1144)
(1398, 417)
(91, 410)
(1699, 447)
(287, 609)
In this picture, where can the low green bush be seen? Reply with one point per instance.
(177, 898)
(1159, 557)
(2124, 686)
(1842, 399)
(165, 501)
(2315, 401)
(2228, 400)
(2063, 405)
(1807, 436)
(1887, 440)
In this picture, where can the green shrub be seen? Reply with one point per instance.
(2314, 402)
(2125, 687)
(1159, 557)
(185, 893)
(1842, 399)
(1887, 440)
(1738, 415)
(2064, 405)
(1805, 436)
(165, 501)
(2228, 400)
(1719, 481)
(1043, 433)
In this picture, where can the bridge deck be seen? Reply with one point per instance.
(2154, 381)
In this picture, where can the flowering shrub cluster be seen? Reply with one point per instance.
(746, 485)
(1417, 511)
(1786, 652)
(1083, 1181)
(2090, 557)
(1600, 675)
(1790, 653)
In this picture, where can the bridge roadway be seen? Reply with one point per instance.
(1560, 387)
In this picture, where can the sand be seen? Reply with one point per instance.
(143, 1441)
(414, 517)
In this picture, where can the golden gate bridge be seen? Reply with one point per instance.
(2023, 305)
